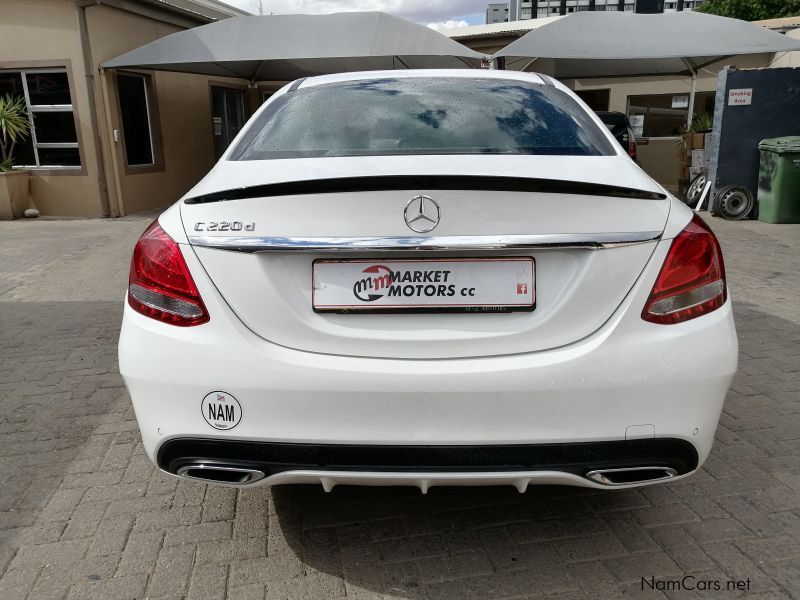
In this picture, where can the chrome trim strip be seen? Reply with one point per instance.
(592, 241)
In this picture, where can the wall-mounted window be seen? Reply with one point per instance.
(665, 115)
(53, 141)
(136, 112)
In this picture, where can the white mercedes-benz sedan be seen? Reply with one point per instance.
(427, 278)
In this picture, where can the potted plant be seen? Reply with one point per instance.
(702, 123)
(15, 125)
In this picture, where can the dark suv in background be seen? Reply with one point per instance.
(621, 129)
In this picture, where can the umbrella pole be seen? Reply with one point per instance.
(693, 70)
(689, 117)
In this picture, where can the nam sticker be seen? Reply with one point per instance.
(221, 410)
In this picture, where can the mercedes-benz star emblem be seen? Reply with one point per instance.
(422, 214)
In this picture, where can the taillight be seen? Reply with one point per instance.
(692, 280)
(632, 148)
(160, 285)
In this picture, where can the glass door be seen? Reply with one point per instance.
(227, 115)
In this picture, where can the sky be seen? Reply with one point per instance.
(439, 14)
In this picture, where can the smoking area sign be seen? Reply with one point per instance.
(740, 97)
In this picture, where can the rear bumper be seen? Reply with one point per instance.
(423, 465)
(629, 380)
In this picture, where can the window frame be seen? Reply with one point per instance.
(153, 123)
(23, 69)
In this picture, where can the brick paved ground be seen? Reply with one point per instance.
(84, 515)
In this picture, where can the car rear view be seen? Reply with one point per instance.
(427, 278)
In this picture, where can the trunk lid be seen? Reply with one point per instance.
(577, 288)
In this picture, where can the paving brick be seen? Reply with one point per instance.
(164, 519)
(40, 533)
(85, 519)
(775, 499)
(589, 548)
(138, 506)
(118, 456)
(595, 580)
(208, 582)
(682, 548)
(248, 571)
(229, 551)
(629, 532)
(141, 552)
(99, 478)
(56, 580)
(112, 534)
(786, 574)
(737, 565)
(195, 534)
(744, 512)
(551, 572)
(219, 504)
(776, 548)
(17, 518)
(251, 515)
(717, 530)
(669, 514)
(253, 591)
(130, 587)
(114, 492)
(171, 573)
(17, 583)
(701, 505)
(49, 554)
(646, 564)
(62, 504)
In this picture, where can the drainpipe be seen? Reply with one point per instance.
(80, 8)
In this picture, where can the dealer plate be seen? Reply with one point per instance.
(424, 285)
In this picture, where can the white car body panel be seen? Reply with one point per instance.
(582, 367)
(577, 288)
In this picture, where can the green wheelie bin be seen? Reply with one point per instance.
(779, 180)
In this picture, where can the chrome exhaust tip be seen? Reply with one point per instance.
(216, 473)
(630, 475)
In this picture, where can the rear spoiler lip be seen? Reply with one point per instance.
(376, 183)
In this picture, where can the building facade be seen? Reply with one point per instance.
(110, 143)
(519, 10)
(497, 13)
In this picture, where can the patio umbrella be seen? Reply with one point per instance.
(285, 47)
(621, 44)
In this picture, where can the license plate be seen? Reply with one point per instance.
(424, 285)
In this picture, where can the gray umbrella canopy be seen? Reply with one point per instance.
(621, 44)
(285, 47)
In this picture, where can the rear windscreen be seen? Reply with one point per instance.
(380, 117)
